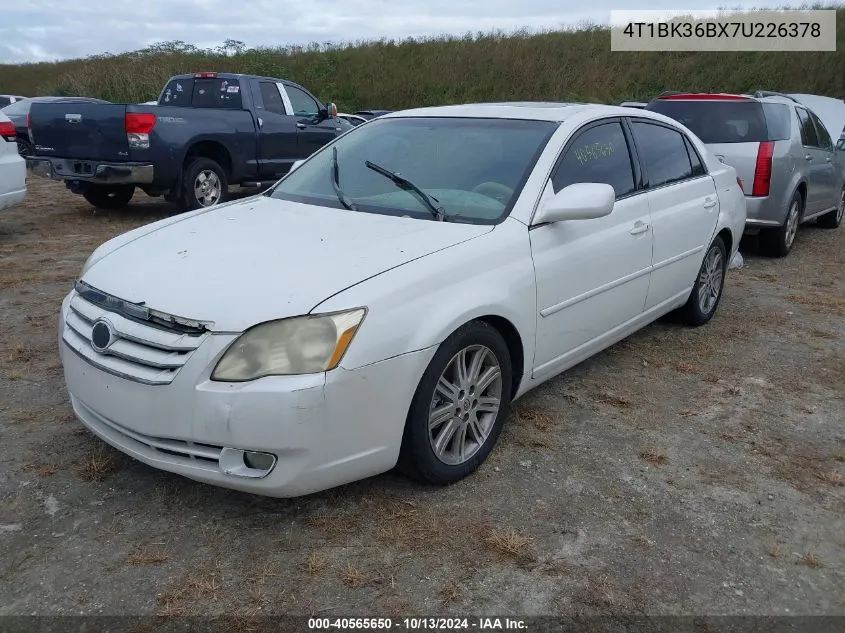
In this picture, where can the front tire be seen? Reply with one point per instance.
(459, 407)
(778, 242)
(204, 184)
(833, 219)
(25, 148)
(109, 196)
(707, 291)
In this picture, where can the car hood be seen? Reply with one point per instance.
(263, 259)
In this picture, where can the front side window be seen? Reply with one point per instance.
(474, 168)
(599, 154)
(303, 104)
(808, 130)
(663, 153)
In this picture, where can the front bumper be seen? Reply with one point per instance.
(324, 429)
(90, 171)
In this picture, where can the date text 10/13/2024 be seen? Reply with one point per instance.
(418, 624)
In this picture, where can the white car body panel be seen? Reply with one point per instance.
(563, 291)
(12, 172)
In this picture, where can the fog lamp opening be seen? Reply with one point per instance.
(241, 463)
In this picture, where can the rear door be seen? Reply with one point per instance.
(277, 133)
(683, 205)
(86, 131)
(817, 165)
(312, 131)
(831, 187)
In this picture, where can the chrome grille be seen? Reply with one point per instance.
(143, 353)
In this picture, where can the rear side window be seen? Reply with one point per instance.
(808, 130)
(272, 98)
(599, 154)
(824, 138)
(4, 101)
(663, 153)
(203, 93)
(695, 161)
(778, 121)
(715, 121)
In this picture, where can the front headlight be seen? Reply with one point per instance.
(299, 345)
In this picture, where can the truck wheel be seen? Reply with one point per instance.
(25, 148)
(109, 196)
(203, 184)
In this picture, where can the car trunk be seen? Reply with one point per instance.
(90, 131)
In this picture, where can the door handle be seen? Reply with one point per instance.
(639, 227)
(260, 122)
(709, 204)
(808, 156)
(301, 126)
(828, 159)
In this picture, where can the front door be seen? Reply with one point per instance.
(313, 131)
(277, 134)
(592, 275)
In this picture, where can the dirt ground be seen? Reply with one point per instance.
(679, 472)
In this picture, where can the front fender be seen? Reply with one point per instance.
(419, 304)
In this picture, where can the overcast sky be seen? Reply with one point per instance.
(46, 30)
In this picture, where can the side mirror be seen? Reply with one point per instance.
(581, 201)
(329, 111)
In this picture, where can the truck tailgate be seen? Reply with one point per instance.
(93, 131)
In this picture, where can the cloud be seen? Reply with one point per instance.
(48, 30)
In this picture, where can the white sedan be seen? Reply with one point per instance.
(12, 166)
(383, 303)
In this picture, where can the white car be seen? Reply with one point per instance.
(12, 166)
(384, 302)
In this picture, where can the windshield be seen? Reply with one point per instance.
(715, 121)
(473, 167)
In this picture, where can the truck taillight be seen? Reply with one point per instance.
(7, 130)
(763, 169)
(206, 75)
(138, 127)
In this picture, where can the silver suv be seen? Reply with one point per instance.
(788, 165)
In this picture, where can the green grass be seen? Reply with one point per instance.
(575, 65)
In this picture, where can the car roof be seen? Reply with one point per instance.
(532, 110)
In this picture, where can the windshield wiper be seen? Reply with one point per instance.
(344, 199)
(430, 201)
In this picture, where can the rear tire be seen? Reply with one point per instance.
(779, 242)
(709, 283)
(109, 196)
(204, 184)
(833, 219)
(25, 148)
(456, 416)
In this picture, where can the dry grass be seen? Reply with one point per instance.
(353, 578)
(97, 466)
(810, 560)
(23, 415)
(17, 353)
(534, 417)
(507, 542)
(335, 525)
(613, 399)
(820, 303)
(202, 586)
(42, 470)
(154, 556)
(449, 593)
(839, 457)
(315, 563)
(832, 477)
(823, 334)
(654, 457)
